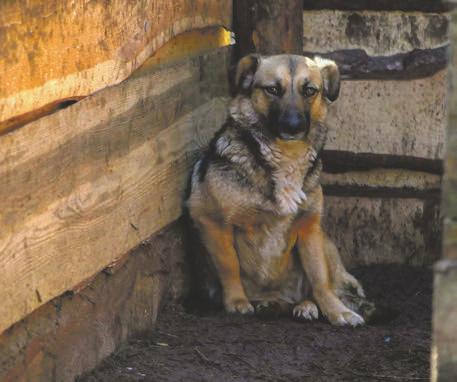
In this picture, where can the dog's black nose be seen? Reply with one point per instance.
(293, 124)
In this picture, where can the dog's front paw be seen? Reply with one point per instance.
(239, 305)
(306, 310)
(346, 318)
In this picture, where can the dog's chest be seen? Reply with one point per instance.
(291, 161)
(264, 251)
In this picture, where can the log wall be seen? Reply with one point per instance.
(387, 128)
(89, 181)
(110, 171)
(54, 51)
(103, 109)
(74, 332)
(384, 155)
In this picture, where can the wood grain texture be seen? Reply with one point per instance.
(444, 347)
(357, 64)
(378, 33)
(73, 333)
(382, 182)
(380, 5)
(83, 186)
(56, 50)
(384, 229)
(390, 117)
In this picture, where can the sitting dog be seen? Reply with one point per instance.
(256, 201)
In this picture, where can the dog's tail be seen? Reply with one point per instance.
(351, 292)
(372, 313)
(205, 290)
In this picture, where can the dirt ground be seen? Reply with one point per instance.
(220, 347)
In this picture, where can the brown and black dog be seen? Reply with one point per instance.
(256, 200)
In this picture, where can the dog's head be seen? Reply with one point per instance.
(287, 92)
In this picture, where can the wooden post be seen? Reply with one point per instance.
(444, 354)
(268, 26)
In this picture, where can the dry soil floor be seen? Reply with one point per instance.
(220, 347)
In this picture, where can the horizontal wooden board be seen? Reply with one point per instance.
(381, 5)
(377, 33)
(382, 230)
(418, 63)
(73, 333)
(371, 44)
(83, 186)
(382, 182)
(57, 50)
(390, 118)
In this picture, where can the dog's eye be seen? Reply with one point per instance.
(309, 91)
(273, 90)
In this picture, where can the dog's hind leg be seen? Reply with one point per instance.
(311, 250)
(205, 292)
(341, 279)
(347, 287)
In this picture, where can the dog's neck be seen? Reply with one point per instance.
(292, 161)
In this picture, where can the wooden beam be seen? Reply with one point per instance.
(268, 26)
(444, 349)
(56, 50)
(380, 5)
(371, 229)
(73, 333)
(357, 64)
(383, 182)
(83, 186)
(388, 118)
(325, 31)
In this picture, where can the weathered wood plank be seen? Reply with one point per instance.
(77, 48)
(336, 161)
(380, 230)
(398, 118)
(83, 186)
(357, 64)
(366, 46)
(380, 5)
(382, 182)
(73, 333)
(377, 33)
(444, 349)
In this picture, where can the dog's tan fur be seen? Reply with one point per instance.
(257, 202)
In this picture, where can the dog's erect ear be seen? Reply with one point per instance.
(330, 78)
(245, 72)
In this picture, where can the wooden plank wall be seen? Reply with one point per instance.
(388, 124)
(59, 50)
(81, 187)
(386, 130)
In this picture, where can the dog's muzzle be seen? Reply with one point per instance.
(293, 126)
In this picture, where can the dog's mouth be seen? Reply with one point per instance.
(292, 137)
